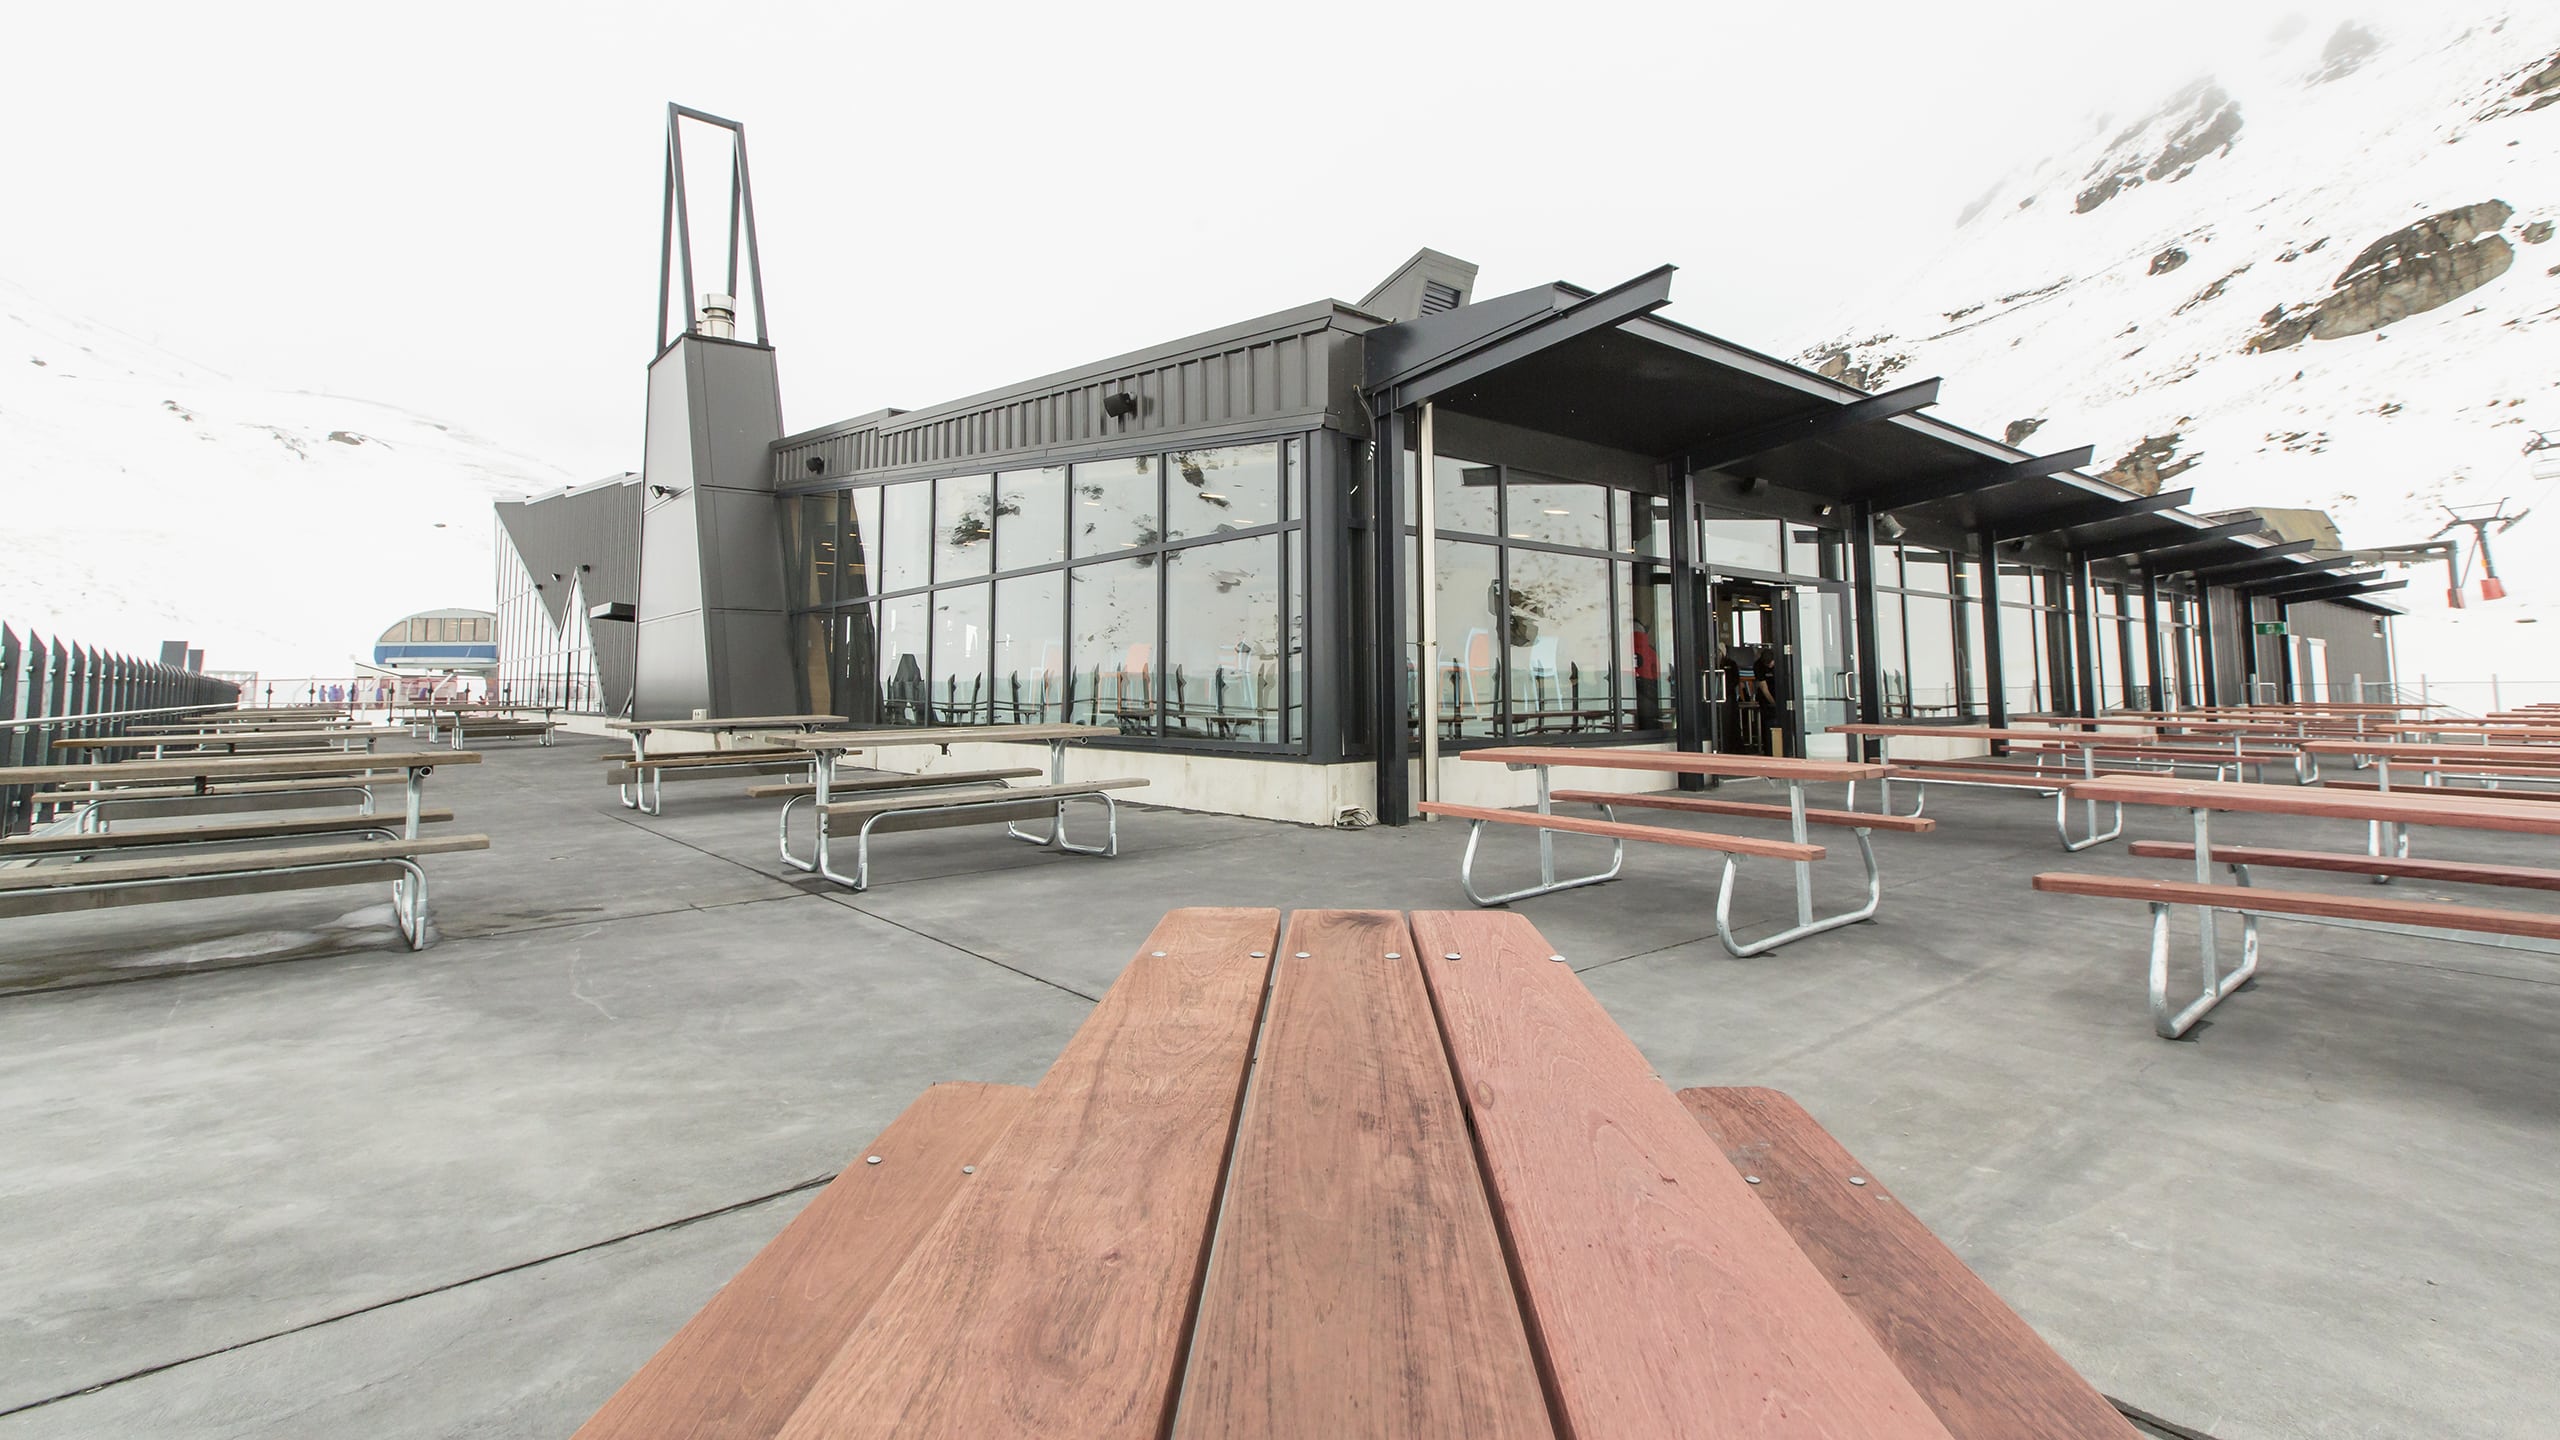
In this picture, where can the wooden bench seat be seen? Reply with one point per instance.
(1621, 830)
(654, 769)
(1984, 1371)
(1704, 805)
(198, 875)
(22, 846)
(2501, 793)
(849, 785)
(1927, 772)
(2423, 914)
(739, 1368)
(2452, 872)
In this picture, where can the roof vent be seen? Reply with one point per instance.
(1438, 296)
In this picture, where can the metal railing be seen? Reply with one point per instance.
(56, 690)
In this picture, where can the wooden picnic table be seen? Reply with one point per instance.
(2088, 743)
(825, 749)
(202, 774)
(640, 730)
(226, 741)
(1800, 852)
(2203, 799)
(1367, 1179)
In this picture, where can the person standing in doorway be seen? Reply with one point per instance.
(1764, 697)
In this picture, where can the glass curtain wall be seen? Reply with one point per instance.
(1158, 593)
(546, 654)
(1923, 664)
(1552, 604)
(2034, 625)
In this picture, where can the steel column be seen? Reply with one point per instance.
(1390, 740)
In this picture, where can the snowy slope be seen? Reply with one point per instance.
(2114, 292)
(144, 498)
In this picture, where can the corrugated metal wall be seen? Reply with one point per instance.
(1266, 380)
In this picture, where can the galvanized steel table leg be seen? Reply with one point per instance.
(2215, 985)
(1806, 924)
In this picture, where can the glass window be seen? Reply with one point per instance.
(1929, 639)
(961, 689)
(813, 549)
(1469, 601)
(1744, 544)
(817, 687)
(855, 573)
(1643, 525)
(1234, 488)
(1926, 570)
(1112, 613)
(906, 535)
(857, 665)
(1031, 517)
(1557, 630)
(1115, 506)
(1222, 637)
(1557, 512)
(1463, 496)
(1893, 673)
(964, 530)
(901, 662)
(1644, 631)
(1293, 679)
(1029, 649)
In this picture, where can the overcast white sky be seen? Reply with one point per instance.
(455, 208)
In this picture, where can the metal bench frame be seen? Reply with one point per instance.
(823, 863)
(648, 793)
(408, 889)
(2061, 803)
(1806, 922)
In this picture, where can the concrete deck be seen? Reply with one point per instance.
(263, 1172)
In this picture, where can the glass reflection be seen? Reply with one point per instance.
(961, 693)
(906, 534)
(1222, 640)
(1643, 525)
(1031, 517)
(1233, 488)
(1114, 506)
(901, 663)
(964, 527)
(1558, 633)
(855, 576)
(1112, 613)
(1465, 689)
(1029, 649)
(857, 665)
(1557, 512)
(1644, 631)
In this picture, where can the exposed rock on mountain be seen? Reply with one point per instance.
(2408, 272)
(2197, 122)
(2422, 370)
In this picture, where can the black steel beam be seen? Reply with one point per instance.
(2343, 590)
(1994, 663)
(2278, 560)
(2298, 584)
(1389, 739)
(1970, 481)
(1862, 602)
(1606, 310)
(2082, 514)
(2169, 556)
(1714, 452)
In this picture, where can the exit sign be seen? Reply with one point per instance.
(2272, 627)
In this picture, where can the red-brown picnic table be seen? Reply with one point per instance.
(1373, 1178)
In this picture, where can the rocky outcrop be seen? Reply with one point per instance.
(2410, 271)
(2542, 86)
(2168, 260)
(2147, 466)
(2211, 292)
(2019, 430)
(2345, 53)
(2198, 122)
(2537, 232)
(1866, 374)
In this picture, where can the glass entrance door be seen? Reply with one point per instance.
(1778, 673)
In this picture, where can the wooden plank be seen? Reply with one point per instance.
(2426, 914)
(219, 767)
(1664, 1298)
(2458, 872)
(844, 817)
(2523, 757)
(210, 887)
(1053, 1298)
(1359, 1287)
(1988, 775)
(735, 722)
(2431, 806)
(2374, 787)
(739, 1368)
(1702, 805)
(1675, 762)
(1985, 1372)
(950, 735)
(217, 834)
(871, 784)
(101, 872)
(1620, 830)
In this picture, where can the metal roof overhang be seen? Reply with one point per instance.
(1603, 368)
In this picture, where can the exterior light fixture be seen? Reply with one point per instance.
(1119, 404)
(1891, 528)
(817, 464)
(665, 492)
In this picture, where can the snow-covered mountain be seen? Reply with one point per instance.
(146, 498)
(2324, 275)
